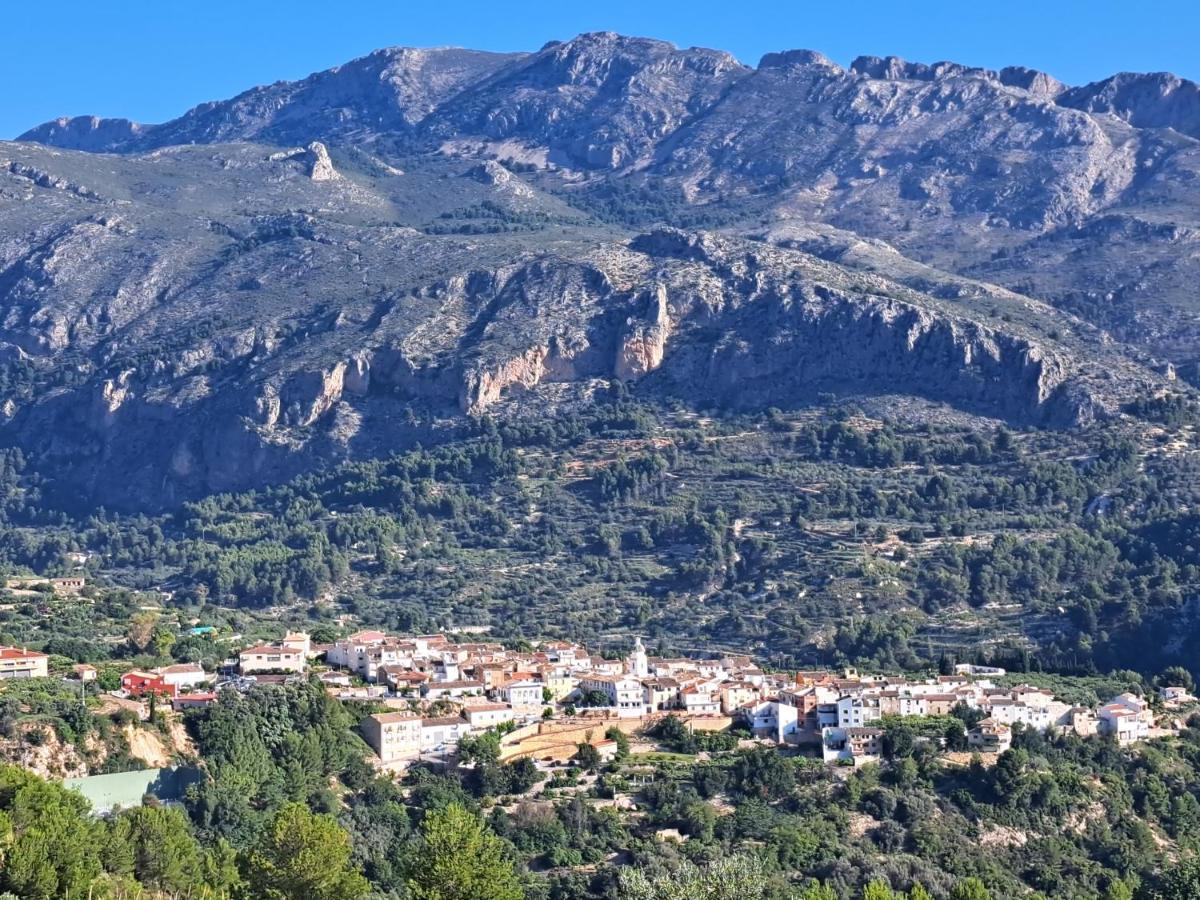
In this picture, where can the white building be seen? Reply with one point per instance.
(21, 663)
(699, 702)
(1175, 694)
(450, 690)
(990, 736)
(639, 664)
(857, 711)
(298, 640)
(183, 675)
(762, 717)
(393, 736)
(482, 716)
(271, 658)
(442, 735)
(1007, 711)
(624, 693)
(353, 652)
(660, 693)
(857, 745)
(1126, 725)
(522, 694)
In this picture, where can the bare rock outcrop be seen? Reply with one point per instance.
(307, 396)
(320, 166)
(645, 344)
(112, 394)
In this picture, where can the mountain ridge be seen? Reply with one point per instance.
(321, 269)
(1171, 98)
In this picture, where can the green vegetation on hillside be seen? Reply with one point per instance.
(290, 809)
(808, 538)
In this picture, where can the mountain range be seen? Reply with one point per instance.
(353, 262)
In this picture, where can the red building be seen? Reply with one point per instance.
(139, 684)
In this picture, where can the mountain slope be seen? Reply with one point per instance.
(354, 261)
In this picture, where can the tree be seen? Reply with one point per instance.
(587, 756)
(141, 630)
(970, 889)
(878, 890)
(1176, 676)
(458, 858)
(736, 877)
(51, 848)
(162, 642)
(304, 854)
(699, 820)
(762, 773)
(1181, 882)
(956, 735)
(164, 853)
(817, 891)
(483, 749)
(618, 737)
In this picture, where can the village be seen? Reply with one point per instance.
(549, 698)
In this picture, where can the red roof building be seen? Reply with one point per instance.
(139, 684)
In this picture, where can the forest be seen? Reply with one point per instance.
(826, 536)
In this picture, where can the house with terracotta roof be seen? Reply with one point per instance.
(735, 694)
(1124, 724)
(183, 675)
(272, 658)
(696, 700)
(197, 700)
(17, 662)
(141, 684)
(990, 736)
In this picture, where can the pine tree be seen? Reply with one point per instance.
(460, 859)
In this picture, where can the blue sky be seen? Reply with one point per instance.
(149, 60)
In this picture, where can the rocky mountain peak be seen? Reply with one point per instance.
(1037, 83)
(88, 133)
(257, 283)
(893, 68)
(787, 58)
(1152, 100)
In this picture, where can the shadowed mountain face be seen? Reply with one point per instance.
(343, 264)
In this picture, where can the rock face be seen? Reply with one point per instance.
(320, 166)
(645, 344)
(956, 166)
(89, 133)
(1158, 100)
(214, 303)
